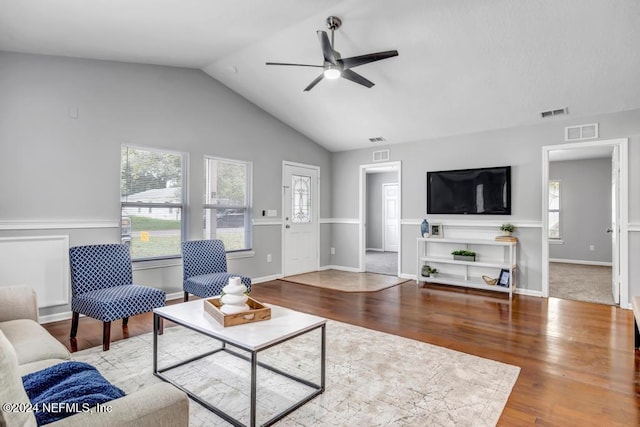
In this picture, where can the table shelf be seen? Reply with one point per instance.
(493, 257)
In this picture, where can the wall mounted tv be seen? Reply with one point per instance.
(485, 191)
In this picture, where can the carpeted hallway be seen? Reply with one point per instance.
(589, 283)
(382, 263)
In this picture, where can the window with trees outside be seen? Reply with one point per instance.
(554, 209)
(227, 203)
(152, 201)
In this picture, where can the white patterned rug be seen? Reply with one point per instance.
(372, 379)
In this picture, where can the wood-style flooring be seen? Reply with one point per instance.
(579, 367)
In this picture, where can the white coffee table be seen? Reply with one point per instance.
(284, 325)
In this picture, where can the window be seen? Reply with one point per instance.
(301, 199)
(554, 209)
(227, 204)
(152, 201)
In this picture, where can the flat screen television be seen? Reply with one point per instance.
(485, 191)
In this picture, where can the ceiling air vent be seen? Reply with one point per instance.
(553, 113)
(381, 156)
(377, 139)
(581, 132)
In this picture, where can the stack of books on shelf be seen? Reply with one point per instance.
(506, 239)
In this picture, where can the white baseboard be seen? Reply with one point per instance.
(267, 278)
(375, 249)
(577, 261)
(528, 292)
(340, 268)
(175, 295)
(50, 318)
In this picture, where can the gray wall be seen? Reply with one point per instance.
(585, 210)
(374, 206)
(519, 147)
(55, 168)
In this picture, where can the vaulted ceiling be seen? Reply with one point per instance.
(464, 66)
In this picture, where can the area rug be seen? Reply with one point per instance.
(372, 379)
(346, 281)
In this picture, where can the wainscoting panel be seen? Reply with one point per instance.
(39, 262)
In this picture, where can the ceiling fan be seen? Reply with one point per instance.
(334, 66)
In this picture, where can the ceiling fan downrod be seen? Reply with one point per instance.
(333, 23)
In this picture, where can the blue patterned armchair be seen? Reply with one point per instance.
(101, 287)
(204, 267)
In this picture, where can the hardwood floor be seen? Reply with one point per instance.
(578, 365)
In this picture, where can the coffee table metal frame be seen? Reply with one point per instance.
(252, 358)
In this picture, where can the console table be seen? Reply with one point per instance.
(492, 257)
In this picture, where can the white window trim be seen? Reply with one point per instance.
(238, 253)
(183, 205)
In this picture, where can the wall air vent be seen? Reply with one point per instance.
(377, 139)
(581, 132)
(553, 113)
(381, 156)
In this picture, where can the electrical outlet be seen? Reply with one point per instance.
(268, 257)
(592, 247)
(333, 251)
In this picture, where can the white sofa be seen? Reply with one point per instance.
(26, 347)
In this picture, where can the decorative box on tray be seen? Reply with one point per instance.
(235, 307)
(256, 312)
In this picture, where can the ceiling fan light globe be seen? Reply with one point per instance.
(331, 73)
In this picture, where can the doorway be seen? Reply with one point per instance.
(301, 225)
(584, 239)
(380, 201)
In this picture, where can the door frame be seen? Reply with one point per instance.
(384, 211)
(623, 213)
(315, 211)
(362, 210)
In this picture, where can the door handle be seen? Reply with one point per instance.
(609, 230)
(287, 226)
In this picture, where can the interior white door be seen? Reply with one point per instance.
(615, 227)
(390, 217)
(300, 209)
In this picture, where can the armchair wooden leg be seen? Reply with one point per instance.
(186, 296)
(125, 321)
(74, 324)
(160, 326)
(106, 335)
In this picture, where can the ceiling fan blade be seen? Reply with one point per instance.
(327, 50)
(354, 61)
(294, 65)
(313, 83)
(356, 78)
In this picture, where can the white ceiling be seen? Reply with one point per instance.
(463, 66)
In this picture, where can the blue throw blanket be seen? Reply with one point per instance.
(65, 389)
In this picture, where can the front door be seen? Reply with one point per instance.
(300, 210)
